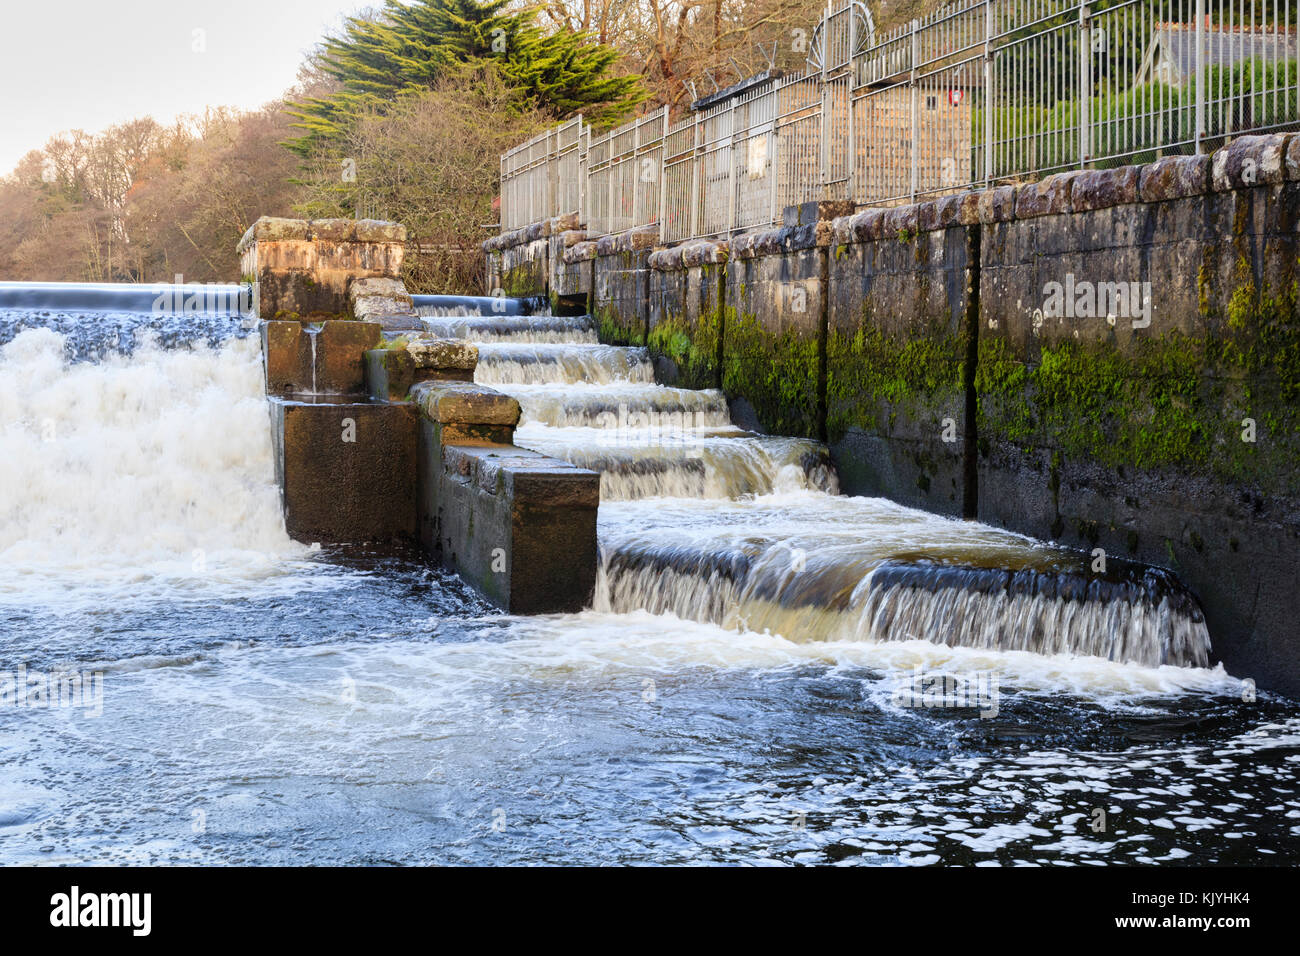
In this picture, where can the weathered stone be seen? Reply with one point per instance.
(643, 237)
(1103, 188)
(707, 252)
(333, 230)
(968, 208)
(1293, 158)
(303, 270)
(464, 403)
(811, 213)
(1250, 161)
(666, 260)
(939, 213)
(378, 307)
(900, 221)
(571, 237)
(581, 252)
(340, 349)
(443, 354)
(997, 204)
(346, 471)
(868, 225)
(742, 246)
(271, 229)
(1174, 177)
(568, 222)
(377, 230)
(775, 241)
(382, 286)
(285, 357)
(390, 373)
(518, 526)
(1048, 196)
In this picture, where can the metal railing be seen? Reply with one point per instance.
(977, 93)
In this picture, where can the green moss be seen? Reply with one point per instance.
(693, 349)
(613, 329)
(1171, 401)
(871, 377)
(777, 373)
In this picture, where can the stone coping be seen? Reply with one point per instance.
(505, 468)
(438, 353)
(465, 403)
(556, 226)
(275, 229)
(1246, 162)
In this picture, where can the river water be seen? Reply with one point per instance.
(772, 673)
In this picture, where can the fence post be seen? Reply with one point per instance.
(824, 161)
(731, 166)
(553, 174)
(696, 159)
(851, 160)
(1085, 85)
(989, 96)
(916, 113)
(774, 152)
(636, 173)
(663, 176)
(1200, 76)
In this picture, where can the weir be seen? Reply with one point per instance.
(923, 343)
(491, 435)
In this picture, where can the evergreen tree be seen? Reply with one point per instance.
(409, 46)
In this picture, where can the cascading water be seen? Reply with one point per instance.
(747, 531)
(352, 707)
(134, 452)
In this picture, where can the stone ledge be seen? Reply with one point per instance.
(465, 403)
(523, 475)
(1250, 161)
(1103, 188)
(276, 229)
(580, 252)
(1247, 162)
(1046, 197)
(443, 354)
(689, 255)
(556, 226)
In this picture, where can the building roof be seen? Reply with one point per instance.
(1173, 49)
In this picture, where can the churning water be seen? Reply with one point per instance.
(761, 679)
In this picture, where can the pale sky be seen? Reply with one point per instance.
(69, 64)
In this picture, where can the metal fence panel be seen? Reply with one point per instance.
(975, 93)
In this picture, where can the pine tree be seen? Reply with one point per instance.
(409, 46)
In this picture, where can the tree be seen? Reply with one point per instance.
(429, 161)
(408, 48)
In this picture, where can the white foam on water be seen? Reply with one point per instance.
(143, 475)
(802, 564)
(539, 364)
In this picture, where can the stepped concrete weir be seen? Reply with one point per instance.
(390, 440)
(1108, 360)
